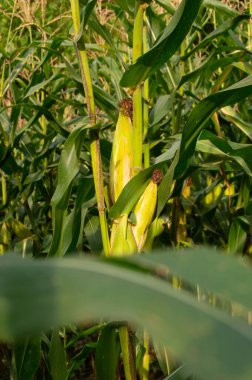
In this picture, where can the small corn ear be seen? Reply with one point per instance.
(186, 192)
(121, 162)
(132, 246)
(214, 194)
(122, 241)
(145, 208)
(156, 228)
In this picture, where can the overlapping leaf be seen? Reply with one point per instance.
(67, 170)
(200, 116)
(240, 153)
(72, 290)
(222, 29)
(166, 45)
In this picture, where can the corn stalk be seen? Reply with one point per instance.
(95, 142)
(137, 94)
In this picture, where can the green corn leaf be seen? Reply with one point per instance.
(57, 358)
(221, 30)
(220, 7)
(93, 233)
(237, 237)
(18, 67)
(200, 115)
(87, 11)
(211, 64)
(164, 190)
(33, 177)
(230, 114)
(128, 5)
(73, 228)
(161, 109)
(36, 87)
(107, 354)
(67, 170)
(167, 5)
(69, 290)
(171, 151)
(106, 102)
(243, 66)
(179, 374)
(166, 45)
(27, 358)
(19, 229)
(104, 33)
(240, 153)
(220, 271)
(42, 110)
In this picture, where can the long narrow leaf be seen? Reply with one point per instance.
(67, 170)
(222, 29)
(201, 114)
(166, 45)
(211, 270)
(132, 192)
(72, 290)
(240, 153)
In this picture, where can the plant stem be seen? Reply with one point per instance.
(182, 66)
(95, 142)
(3, 229)
(240, 195)
(4, 189)
(137, 95)
(146, 358)
(250, 26)
(7, 43)
(146, 100)
(146, 155)
(216, 123)
(128, 359)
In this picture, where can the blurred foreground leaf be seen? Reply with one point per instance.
(82, 289)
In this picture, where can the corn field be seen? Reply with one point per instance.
(125, 201)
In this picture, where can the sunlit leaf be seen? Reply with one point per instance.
(201, 114)
(165, 46)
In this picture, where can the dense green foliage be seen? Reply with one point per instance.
(195, 81)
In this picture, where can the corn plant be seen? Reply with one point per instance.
(126, 134)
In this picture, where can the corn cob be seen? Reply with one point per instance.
(121, 163)
(145, 208)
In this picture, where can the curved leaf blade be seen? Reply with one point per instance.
(67, 170)
(107, 353)
(220, 7)
(132, 192)
(191, 266)
(69, 290)
(27, 355)
(231, 115)
(200, 115)
(222, 29)
(240, 153)
(166, 45)
(57, 358)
